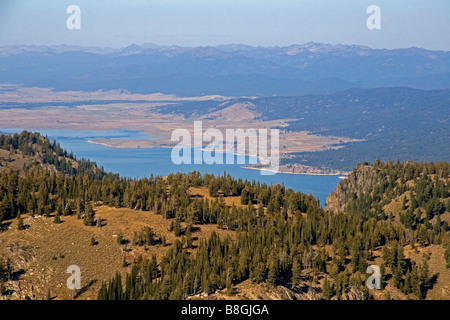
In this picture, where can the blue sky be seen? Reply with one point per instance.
(113, 23)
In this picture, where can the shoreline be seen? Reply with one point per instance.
(130, 147)
(102, 144)
(342, 175)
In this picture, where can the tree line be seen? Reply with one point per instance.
(281, 235)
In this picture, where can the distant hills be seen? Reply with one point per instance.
(396, 100)
(235, 70)
(403, 123)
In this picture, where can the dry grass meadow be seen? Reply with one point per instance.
(44, 250)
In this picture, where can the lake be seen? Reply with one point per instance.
(141, 162)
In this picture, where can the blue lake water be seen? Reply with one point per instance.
(141, 162)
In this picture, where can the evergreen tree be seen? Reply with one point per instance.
(272, 274)
(57, 219)
(326, 289)
(422, 236)
(177, 227)
(20, 224)
(447, 256)
(89, 215)
(296, 272)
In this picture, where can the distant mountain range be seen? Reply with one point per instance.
(234, 70)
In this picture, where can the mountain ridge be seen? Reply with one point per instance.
(228, 48)
(224, 69)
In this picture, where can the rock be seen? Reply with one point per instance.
(360, 181)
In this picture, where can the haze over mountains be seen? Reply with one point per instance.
(234, 70)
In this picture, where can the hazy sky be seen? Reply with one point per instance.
(404, 23)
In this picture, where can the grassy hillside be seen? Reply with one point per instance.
(413, 195)
(27, 150)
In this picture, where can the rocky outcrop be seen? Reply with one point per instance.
(263, 291)
(360, 181)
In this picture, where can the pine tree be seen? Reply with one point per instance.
(447, 257)
(422, 236)
(296, 272)
(408, 285)
(326, 289)
(272, 274)
(59, 208)
(177, 228)
(20, 224)
(245, 196)
(89, 216)
(424, 277)
(103, 292)
(382, 275)
(79, 209)
(229, 282)
(396, 277)
(57, 218)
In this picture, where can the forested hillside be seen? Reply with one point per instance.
(284, 240)
(416, 194)
(391, 123)
(274, 237)
(28, 150)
